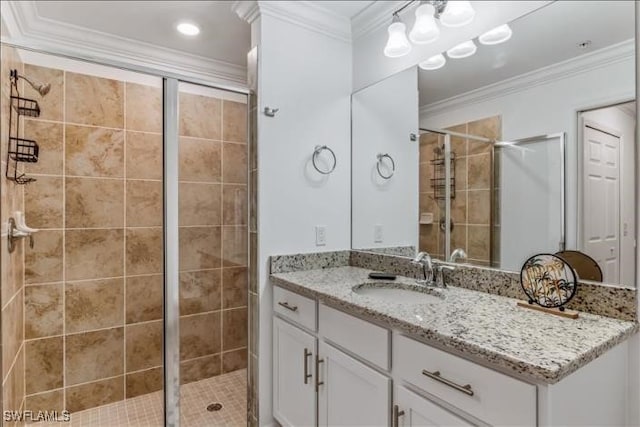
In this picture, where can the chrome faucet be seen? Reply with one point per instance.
(424, 259)
(457, 254)
(439, 281)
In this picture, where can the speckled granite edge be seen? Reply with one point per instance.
(404, 251)
(602, 299)
(310, 261)
(463, 348)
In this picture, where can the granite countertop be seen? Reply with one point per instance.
(486, 328)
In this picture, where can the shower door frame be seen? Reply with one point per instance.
(170, 182)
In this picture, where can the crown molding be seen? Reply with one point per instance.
(305, 14)
(246, 10)
(308, 15)
(26, 28)
(561, 70)
(375, 16)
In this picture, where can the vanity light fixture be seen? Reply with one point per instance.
(397, 44)
(188, 28)
(457, 14)
(496, 36)
(434, 63)
(426, 28)
(463, 50)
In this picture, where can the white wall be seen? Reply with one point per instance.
(383, 117)
(547, 105)
(307, 75)
(370, 65)
(616, 119)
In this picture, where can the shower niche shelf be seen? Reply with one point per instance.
(20, 150)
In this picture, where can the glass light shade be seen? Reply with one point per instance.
(457, 14)
(397, 44)
(425, 30)
(496, 36)
(433, 63)
(462, 50)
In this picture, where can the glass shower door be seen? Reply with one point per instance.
(213, 235)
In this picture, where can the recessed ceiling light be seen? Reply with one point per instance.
(188, 29)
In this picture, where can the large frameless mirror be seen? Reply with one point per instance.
(528, 146)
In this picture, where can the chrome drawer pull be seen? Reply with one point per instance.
(287, 306)
(397, 413)
(466, 389)
(307, 375)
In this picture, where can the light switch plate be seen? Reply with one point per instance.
(321, 235)
(377, 233)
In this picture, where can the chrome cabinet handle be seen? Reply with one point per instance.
(307, 375)
(318, 382)
(397, 413)
(466, 389)
(287, 306)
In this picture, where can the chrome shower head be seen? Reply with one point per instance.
(41, 88)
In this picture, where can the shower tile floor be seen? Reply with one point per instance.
(147, 410)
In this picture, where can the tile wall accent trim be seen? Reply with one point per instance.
(310, 261)
(601, 299)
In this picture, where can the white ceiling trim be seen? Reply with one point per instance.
(26, 28)
(307, 15)
(374, 17)
(304, 14)
(581, 64)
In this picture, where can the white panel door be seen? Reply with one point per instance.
(414, 410)
(294, 397)
(601, 200)
(352, 394)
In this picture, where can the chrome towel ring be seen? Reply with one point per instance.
(381, 158)
(319, 149)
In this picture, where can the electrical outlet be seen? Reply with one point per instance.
(377, 233)
(321, 235)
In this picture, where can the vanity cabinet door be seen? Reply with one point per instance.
(350, 393)
(294, 396)
(412, 410)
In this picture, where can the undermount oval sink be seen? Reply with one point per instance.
(399, 292)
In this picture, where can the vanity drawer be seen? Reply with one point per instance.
(366, 340)
(300, 309)
(486, 394)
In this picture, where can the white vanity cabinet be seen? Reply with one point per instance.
(413, 410)
(294, 395)
(334, 369)
(310, 371)
(350, 392)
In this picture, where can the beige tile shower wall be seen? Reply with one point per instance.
(93, 295)
(213, 236)
(471, 209)
(12, 264)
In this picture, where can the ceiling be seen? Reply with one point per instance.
(544, 37)
(224, 36)
(345, 8)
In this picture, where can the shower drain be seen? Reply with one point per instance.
(214, 407)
